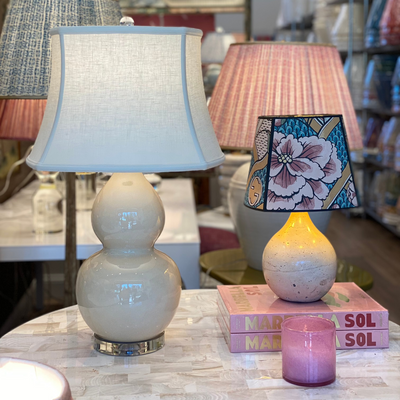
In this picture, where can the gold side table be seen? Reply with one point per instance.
(230, 268)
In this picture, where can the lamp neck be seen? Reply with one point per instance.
(298, 221)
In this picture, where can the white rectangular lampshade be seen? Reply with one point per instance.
(126, 99)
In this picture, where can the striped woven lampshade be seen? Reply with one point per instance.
(278, 78)
(25, 56)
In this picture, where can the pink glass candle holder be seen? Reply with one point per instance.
(309, 351)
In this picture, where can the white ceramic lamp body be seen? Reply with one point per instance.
(129, 291)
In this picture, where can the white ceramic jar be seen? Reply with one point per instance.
(340, 31)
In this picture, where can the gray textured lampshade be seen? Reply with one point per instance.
(25, 39)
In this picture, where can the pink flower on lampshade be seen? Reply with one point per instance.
(300, 170)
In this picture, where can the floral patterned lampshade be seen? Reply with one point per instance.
(300, 163)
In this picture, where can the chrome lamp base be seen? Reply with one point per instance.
(128, 349)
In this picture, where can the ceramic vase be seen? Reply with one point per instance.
(383, 74)
(340, 31)
(356, 70)
(396, 88)
(370, 97)
(227, 170)
(372, 27)
(390, 24)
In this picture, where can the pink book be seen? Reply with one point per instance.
(271, 341)
(255, 308)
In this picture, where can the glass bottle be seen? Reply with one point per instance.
(47, 205)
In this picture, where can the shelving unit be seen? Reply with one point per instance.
(383, 50)
(377, 164)
(381, 111)
(180, 10)
(339, 2)
(210, 8)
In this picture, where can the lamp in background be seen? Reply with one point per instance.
(215, 46)
(300, 164)
(279, 78)
(213, 51)
(25, 379)
(127, 99)
(274, 78)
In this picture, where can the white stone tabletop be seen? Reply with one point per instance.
(195, 363)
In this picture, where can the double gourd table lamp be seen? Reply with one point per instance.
(127, 100)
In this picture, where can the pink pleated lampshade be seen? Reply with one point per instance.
(278, 78)
(20, 119)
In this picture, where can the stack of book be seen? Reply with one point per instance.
(250, 317)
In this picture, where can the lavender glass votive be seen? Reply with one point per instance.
(309, 351)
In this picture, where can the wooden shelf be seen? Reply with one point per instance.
(377, 164)
(338, 2)
(381, 111)
(383, 50)
(307, 23)
(180, 10)
(344, 53)
(377, 218)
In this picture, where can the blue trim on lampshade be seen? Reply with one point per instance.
(153, 168)
(186, 100)
(60, 99)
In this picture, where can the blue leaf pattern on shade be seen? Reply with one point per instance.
(296, 127)
(342, 201)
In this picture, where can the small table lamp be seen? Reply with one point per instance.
(127, 99)
(300, 164)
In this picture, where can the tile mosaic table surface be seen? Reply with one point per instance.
(195, 363)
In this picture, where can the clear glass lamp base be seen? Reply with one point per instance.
(128, 349)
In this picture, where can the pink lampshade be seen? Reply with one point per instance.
(278, 78)
(20, 119)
